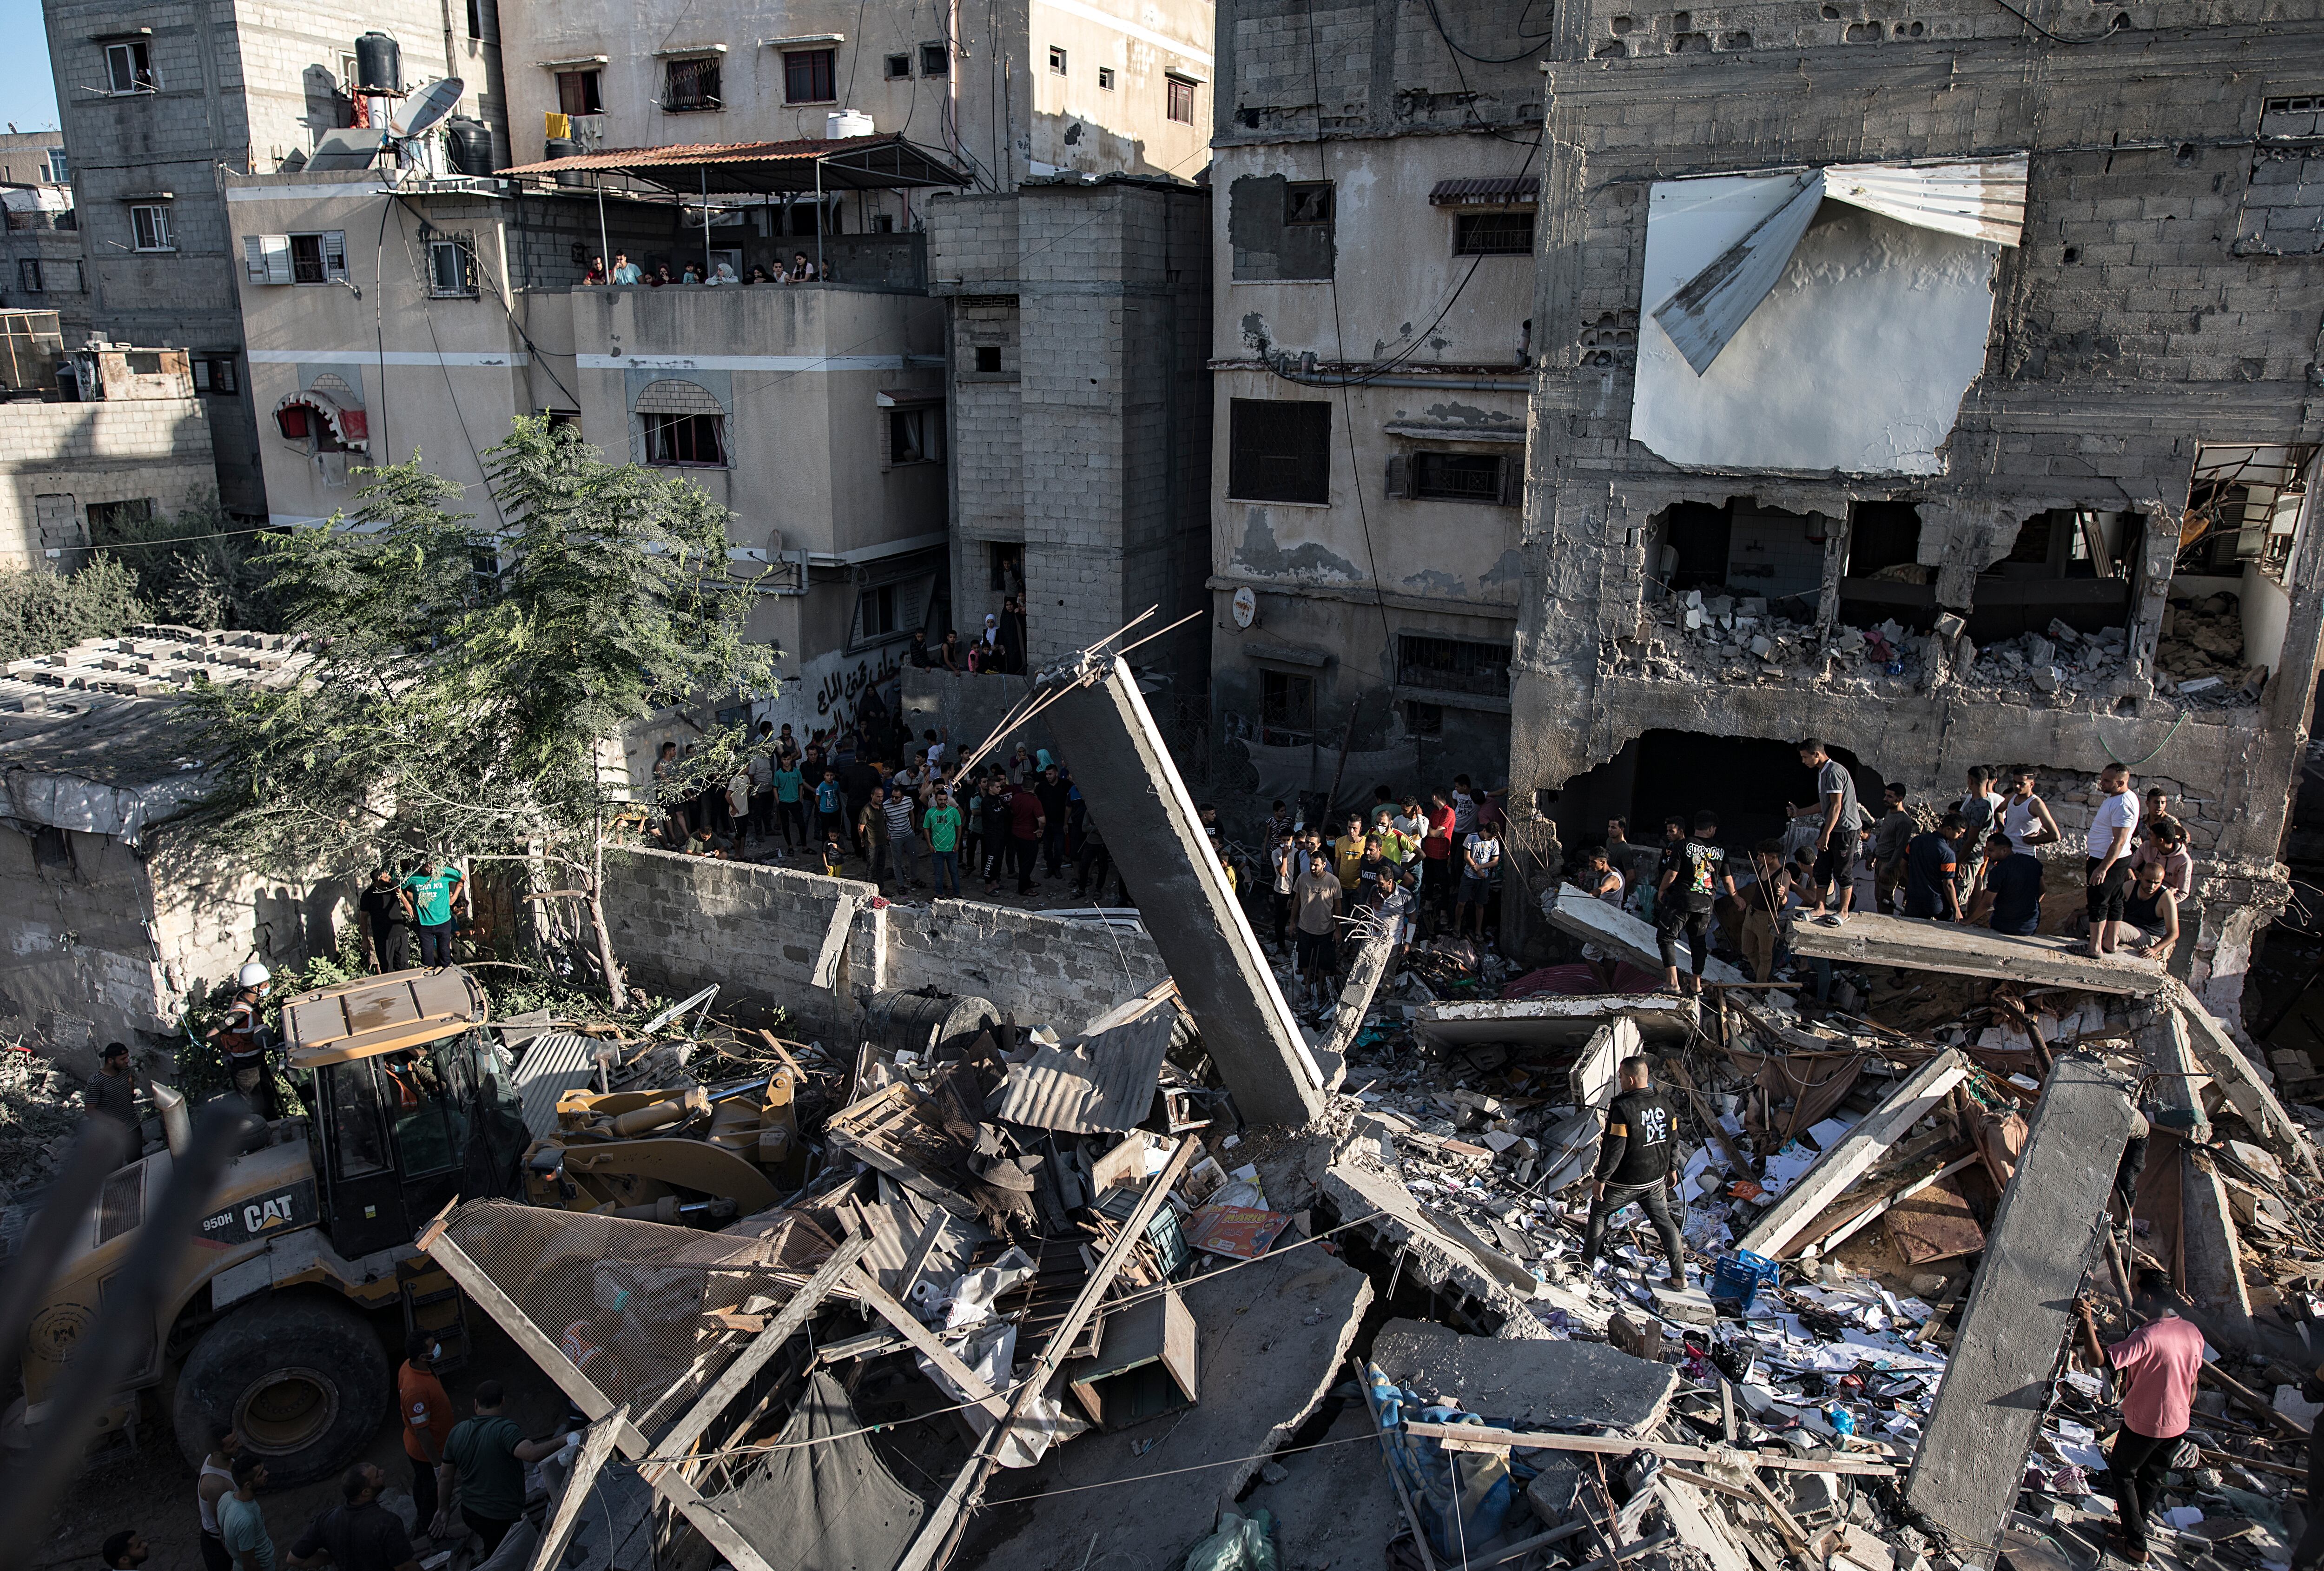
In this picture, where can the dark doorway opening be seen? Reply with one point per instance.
(1749, 782)
(2072, 565)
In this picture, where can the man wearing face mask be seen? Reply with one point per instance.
(427, 1421)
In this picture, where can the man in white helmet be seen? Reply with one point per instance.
(238, 1038)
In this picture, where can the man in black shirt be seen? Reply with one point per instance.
(386, 912)
(1053, 793)
(1694, 870)
(1638, 1160)
(361, 1535)
(2011, 899)
(1930, 890)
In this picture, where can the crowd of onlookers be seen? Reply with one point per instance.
(998, 648)
(1978, 860)
(625, 272)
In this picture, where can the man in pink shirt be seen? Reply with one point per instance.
(2154, 1372)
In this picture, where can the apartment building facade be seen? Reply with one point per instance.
(158, 101)
(1941, 383)
(1372, 246)
(1019, 89)
(40, 261)
(813, 413)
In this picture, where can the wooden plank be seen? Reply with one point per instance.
(1882, 1206)
(1478, 1438)
(1914, 1099)
(833, 1272)
(1915, 944)
(943, 1357)
(1741, 1163)
(1403, 1496)
(595, 1448)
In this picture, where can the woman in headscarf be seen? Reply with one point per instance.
(991, 655)
(725, 274)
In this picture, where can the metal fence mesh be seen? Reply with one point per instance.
(629, 1302)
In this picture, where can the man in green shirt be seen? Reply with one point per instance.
(488, 1455)
(242, 1527)
(942, 826)
(790, 811)
(434, 895)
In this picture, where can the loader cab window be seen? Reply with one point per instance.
(424, 1089)
(358, 1120)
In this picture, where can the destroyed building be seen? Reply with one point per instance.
(1959, 426)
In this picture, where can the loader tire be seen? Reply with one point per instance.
(302, 1378)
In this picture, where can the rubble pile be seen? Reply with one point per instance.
(1740, 639)
(2201, 653)
(2057, 660)
(40, 1109)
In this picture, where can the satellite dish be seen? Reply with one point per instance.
(427, 106)
(1246, 607)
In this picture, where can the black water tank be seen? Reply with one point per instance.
(563, 147)
(378, 64)
(471, 144)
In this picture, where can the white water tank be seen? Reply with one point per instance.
(846, 122)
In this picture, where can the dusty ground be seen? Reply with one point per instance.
(152, 1488)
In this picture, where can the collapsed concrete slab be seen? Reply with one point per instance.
(1334, 1503)
(2165, 1042)
(1527, 1385)
(1912, 944)
(1156, 835)
(2212, 1251)
(1972, 1459)
(1483, 1282)
(2250, 1096)
(1578, 914)
(1274, 1338)
(1554, 1023)
(1377, 947)
(1851, 1157)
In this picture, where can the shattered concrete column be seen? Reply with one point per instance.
(1835, 568)
(2161, 556)
(2163, 1043)
(2212, 1251)
(1156, 838)
(1364, 974)
(1971, 1459)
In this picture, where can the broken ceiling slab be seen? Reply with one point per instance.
(1851, 1156)
(1555, 1022)
(1819, 319)
(1527, 1385)
(1578, 914)
(1971, 1459)
(1334, 1503)
(1913, 944)
(1274, 1338)
(1103, 1082)
(2218, 1053)
(1383, 1211)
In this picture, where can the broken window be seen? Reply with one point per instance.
(452, 268)
(1884, 580)
(2228, 606)
(1286, 709)
(689, 86)
(1453, 665)
(1743, 549)
(2070, 565)
(1280, 228)
(988, 359)
(1279, 450)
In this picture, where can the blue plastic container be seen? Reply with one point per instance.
(1740, 1276)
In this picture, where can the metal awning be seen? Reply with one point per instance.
(868, 163)
(1499, 190)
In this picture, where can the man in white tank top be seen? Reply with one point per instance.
(2024, 816)
(215, 1481)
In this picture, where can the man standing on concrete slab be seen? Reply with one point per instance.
(2109, 849)
(1638, 1160)
(1685, 897)
(1837, 830)
(1932, 860)
(2159, 1361)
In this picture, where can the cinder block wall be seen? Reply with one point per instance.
(682, 922)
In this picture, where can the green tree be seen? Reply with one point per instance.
(199, 567)
(469, 686)
(41, 612)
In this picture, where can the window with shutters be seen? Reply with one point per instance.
(318, 257)
(810, 76)
(691, 85)
(217, 374)
(149, 226)
(1279, 450)
(1180, 105)
(685, 441)
(28, 275)
(129, 68)
(1492, 234)
(452, 268)
(578, 93)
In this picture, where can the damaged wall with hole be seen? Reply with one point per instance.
(1373, 236)
(2025, 475)
(1079, 313)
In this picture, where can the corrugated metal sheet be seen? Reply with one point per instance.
(1103, 1082)
(1977, 199)
(554, 1063)
(1486, 191)
(1706, 312)
(1982, 199)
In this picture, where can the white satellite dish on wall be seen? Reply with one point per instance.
(1246, 608)
(427, 108)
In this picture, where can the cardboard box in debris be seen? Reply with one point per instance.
(1036, 1299)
